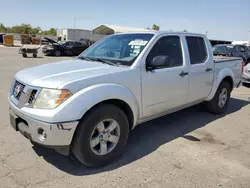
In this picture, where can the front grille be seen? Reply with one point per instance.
(18, 89)
(32, 96)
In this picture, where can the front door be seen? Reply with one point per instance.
(165, 88)
(201, 70)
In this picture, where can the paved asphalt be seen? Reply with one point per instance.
(190, 148)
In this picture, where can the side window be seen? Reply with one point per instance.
(236, 49)
(78, 44)
(168, 46)
(197, 49)
(242, 49)
(69, 44)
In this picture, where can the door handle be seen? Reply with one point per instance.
(183, 73)
(208, 69)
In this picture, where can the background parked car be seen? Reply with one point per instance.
(68, 48)
(233, 50)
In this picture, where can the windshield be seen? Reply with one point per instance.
(120, 49)
(222, 49)
(61, 42)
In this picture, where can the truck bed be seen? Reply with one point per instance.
(221, 59)
(233, 63)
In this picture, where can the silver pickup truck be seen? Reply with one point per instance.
(86, 107)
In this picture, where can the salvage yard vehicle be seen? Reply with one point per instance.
(68, 48)
(233, 50)
(86, 107)
(246, 75)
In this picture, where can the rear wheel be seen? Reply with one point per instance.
(101, 136)
(221, 98)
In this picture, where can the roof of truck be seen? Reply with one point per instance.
(161, 32)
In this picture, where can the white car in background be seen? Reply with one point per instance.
(246, 74)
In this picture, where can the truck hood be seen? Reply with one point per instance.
(52, 75)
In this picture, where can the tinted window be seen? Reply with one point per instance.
(236, 49)
(78, 43)
(242, 49)
(68, 43)
(197, 49)
(168, 46)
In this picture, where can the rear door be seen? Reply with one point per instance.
(201, 68)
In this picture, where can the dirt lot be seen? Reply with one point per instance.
(191, 148)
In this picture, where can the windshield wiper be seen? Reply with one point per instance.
(84, 58)
(104, 61)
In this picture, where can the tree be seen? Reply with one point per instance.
(156, 27)
(26, 29)
(185, 30)
(35, 30)
(2, 28)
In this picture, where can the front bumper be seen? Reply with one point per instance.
(56, 134)
(246, 80)
(246, 77)
(48, 51)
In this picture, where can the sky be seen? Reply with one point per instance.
(222, 19)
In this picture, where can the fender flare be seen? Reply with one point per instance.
(226, 72)
(87, 98)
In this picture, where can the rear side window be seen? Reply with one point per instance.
(197, 49)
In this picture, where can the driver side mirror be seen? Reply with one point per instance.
(158, 62)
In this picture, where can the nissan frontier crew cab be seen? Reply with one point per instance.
(86, 107)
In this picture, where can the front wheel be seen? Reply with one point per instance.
(221, 98)
(101, 136)
(57, 53)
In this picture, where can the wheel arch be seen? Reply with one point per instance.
(225, 75)
(108, 93)
(229, 80)
(120, 104)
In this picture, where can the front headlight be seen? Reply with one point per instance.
(50, 48)
(51, 98)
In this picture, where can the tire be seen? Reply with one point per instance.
(35, 55)
(57, 53)
(24, 55)
(213, 105)
(81, 147)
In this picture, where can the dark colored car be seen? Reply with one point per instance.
(233, 50)
(68, 48)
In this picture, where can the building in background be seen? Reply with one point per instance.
(104, 30)
(112, 29)
(94, 35)
(77, 35)
(240, 42)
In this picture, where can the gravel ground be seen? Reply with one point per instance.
(190, 148)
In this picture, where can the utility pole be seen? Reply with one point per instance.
(74, 27)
